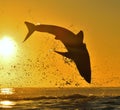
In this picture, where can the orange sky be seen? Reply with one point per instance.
(99, 19)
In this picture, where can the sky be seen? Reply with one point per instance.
(36, 65)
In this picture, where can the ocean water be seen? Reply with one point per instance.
(60, 99)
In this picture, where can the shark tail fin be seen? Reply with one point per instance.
(31, 29)
(66, 54)
(81, 36)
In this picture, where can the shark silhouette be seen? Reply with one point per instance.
(77, 50)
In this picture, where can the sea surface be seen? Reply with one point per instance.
(60, 98)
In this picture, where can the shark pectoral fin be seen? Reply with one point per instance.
(31, 29)
(66, 54)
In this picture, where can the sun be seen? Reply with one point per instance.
(7, 47)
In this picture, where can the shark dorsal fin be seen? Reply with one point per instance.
(81, 36)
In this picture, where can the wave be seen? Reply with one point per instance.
(74, 96)
(72, 102)
(57, 93)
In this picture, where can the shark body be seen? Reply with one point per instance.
(77, 50)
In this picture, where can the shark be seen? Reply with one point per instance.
(76, 48)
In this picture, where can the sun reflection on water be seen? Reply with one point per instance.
(6, 103)
(6, 91)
